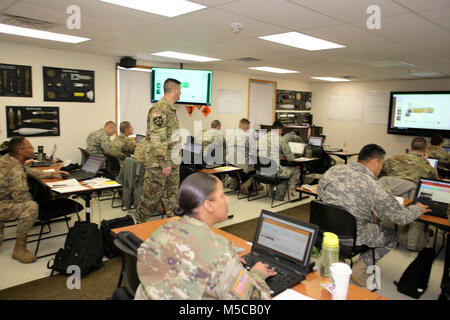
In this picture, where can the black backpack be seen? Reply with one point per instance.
(109, 249)
(414, 280)
(83, 248)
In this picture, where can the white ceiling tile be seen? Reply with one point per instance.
(439, 17)
(424, 5)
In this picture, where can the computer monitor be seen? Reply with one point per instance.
(446, 149)
(315, 141)
(297, 148)
(433, 162)
(93, 164)
(139, 137)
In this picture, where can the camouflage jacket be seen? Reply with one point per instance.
(238, 149)
(285, 150)
(355, 188)
(140, 151)
(440, 154)
(411, 166)
(185, 259)
(162, 121)
(13, 179)
(122, 147)
(98, 143)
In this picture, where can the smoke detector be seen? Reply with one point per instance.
(236, 26)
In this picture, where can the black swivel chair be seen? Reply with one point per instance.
(127, 243)
(50, 211)
(322, 164)
(334, 219)
(186, 170)
(84, 155)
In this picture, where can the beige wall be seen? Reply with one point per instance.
(354, 135)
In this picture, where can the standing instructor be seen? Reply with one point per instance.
(162, 175)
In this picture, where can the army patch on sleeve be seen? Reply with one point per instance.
(241, 283)
(255, 294)
(157, 119)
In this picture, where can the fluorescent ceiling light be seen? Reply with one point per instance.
(167, 8)
(330, 79)
(32, 33)
(302, 41)
(184, 56)
(275, 70)
(427, 74)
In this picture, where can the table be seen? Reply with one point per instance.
(301, 162)
(344, 155)
(302, 189)
(309, 287)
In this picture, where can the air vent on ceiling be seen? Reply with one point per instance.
(248, 59)
(24, 22)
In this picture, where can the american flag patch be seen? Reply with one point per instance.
(156, 114)
(241, 283)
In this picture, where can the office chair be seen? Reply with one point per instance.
(334, 219)
(50, 211)
(110, 171)
(128, 243)
(322, 164)
(267, 180)
(84, 156)
(186, 170)
(131, 177)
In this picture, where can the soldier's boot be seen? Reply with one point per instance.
(245, 186)
(21, 252)
(259, 187)
(359, 275)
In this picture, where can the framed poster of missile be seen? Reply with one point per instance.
(32, 121)
(68, 85)
(15, 80)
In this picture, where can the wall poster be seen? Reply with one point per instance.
(32, 121)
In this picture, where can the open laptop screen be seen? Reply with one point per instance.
(284, 238)
(315, 141)
(433, 190)
(93, 164)
(446, 149)
(297, 147)
(433, 162)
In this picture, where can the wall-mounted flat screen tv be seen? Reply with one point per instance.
(196, 85)
(419, 113)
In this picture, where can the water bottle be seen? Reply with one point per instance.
(329, 255)
(40, 153)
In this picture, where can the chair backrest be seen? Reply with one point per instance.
(128, 243)
(112, 166)
(333, 219)
(323, 163)
(84, 156)
(186, 170)
(264, 162)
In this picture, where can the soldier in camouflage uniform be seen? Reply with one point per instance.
(185, 259)
(15, 199)
(161, 173)
(355, 188)
(98, 143)
(122, 146)
(140, 151)
(436, 151)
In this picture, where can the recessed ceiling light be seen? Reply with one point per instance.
(33, 33)
(330, 79)
(302, 41)
(427, 74)
(167, 8)
(275, 70)
(184, 56)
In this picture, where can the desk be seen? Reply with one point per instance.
(344, 155)
(309, 287)
(300, 162)
(302, 189)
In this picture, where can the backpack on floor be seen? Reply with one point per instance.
(83, 248)
(109, 249)
(414, 280)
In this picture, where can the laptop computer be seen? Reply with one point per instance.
(297, 148)
(433, 162)
(435, 194)
(139, 137)
(285, 244)
(315, 141)
(446, 149)
(89, 170)
(45, 163)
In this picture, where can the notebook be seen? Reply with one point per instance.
(435, 194)
(433, 162)
(315, 141)
(297, 148)
(285, 244)
(89, 170)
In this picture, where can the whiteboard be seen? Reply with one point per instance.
(229, 101)
(262, 97)
(346, 107)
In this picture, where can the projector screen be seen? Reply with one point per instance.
(195, 85)
(421, 113)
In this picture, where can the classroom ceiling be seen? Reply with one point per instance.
(414, 35)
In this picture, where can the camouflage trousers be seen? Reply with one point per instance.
(158, 188)
(382, 239)
(25, 213)
(291, 173)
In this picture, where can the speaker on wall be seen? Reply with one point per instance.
(127, 62)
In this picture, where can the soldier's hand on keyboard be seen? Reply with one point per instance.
(424, 208)
(264, 268)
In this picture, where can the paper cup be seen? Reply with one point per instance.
(340, 278)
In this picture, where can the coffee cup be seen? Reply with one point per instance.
(340, 278)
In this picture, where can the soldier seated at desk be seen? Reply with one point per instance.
(98, 142)
(185, 259)
(122, 146)
(437, 152)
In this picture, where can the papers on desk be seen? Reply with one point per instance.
(99, 183)
(303, 159)
(64, 183)
(70, 189)
(290, 294)
(225, 168)
(49, 170)
(400, 200)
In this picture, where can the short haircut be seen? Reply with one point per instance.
(215, 124)
(277, 125)
(436, 140)
(15, 144)
(170, 84)
(243, 122)
(419, 144)
(370, 152)
(110, 123)
(124, 125)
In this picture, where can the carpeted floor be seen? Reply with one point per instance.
(100, 284)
